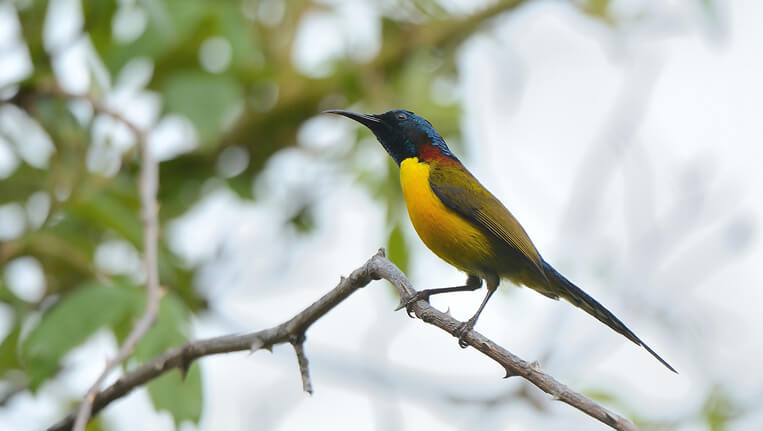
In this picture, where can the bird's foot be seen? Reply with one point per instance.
(462, 330)
(418, 296)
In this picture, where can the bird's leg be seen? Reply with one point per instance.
(464, 328)
(472, 283)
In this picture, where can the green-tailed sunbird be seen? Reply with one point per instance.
(465, 225)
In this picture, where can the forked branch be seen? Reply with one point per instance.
(293, 330)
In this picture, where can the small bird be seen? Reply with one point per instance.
(465, 225)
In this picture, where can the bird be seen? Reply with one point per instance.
(464, 224)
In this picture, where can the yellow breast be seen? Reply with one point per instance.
(447, 234)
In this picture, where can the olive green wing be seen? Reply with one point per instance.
(461, 192)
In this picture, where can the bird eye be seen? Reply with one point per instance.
(401, 116)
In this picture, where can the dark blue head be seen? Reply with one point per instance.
(402, 133)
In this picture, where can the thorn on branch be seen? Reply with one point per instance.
(259, 344)
(293, 332)
(298, 342)
(185, 364)
(610, 419)
(401, 305)
(509, 373)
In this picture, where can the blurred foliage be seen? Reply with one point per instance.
(720, 409)
(256, 103)
(78, 315)
(180, 395)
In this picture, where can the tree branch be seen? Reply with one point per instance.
(148, 187)
(298, 342)
(291, 331)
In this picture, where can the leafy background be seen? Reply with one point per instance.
(558, 106)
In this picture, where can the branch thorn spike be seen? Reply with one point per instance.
(609, 417)
(286, 332)
(185, 365)
(400, 306)
(256, 345)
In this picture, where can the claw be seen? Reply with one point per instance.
(461, 332)
(408, 303)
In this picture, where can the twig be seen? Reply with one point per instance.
(514, 365)
(298, 342)
(375, 268)
(148, 185)
(48, 90)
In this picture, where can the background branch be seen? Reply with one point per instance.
(148, 188)
(377, 267)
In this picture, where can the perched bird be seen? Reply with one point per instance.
(465, 225)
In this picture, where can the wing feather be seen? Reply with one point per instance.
(458, 190)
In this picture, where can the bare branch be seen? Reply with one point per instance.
(513, 364)
(375, 268)
(148, 185)
(298, 342)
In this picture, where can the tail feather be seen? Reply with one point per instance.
(565, 289)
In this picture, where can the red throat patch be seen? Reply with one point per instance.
(429, 153)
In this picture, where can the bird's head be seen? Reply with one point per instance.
(403, 134)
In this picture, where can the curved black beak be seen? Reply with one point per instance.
(386, 135)
(368, 120)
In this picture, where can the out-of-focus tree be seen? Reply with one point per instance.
(219, 80)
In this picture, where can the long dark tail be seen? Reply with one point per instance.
(580, 299)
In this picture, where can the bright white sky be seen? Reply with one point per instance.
(646, 230)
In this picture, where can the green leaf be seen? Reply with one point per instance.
(8, 355)
(69, 323)
(105, 210)
(397, 249)
(96, 424)
(181, 397)
(6, 295)
(24, 181)
(207, 100)
(170, 24)
(719, 409)
(169, 330)
(303, 218)
(241, 185)
(32, 20)
(239, 32)
(599, 8)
